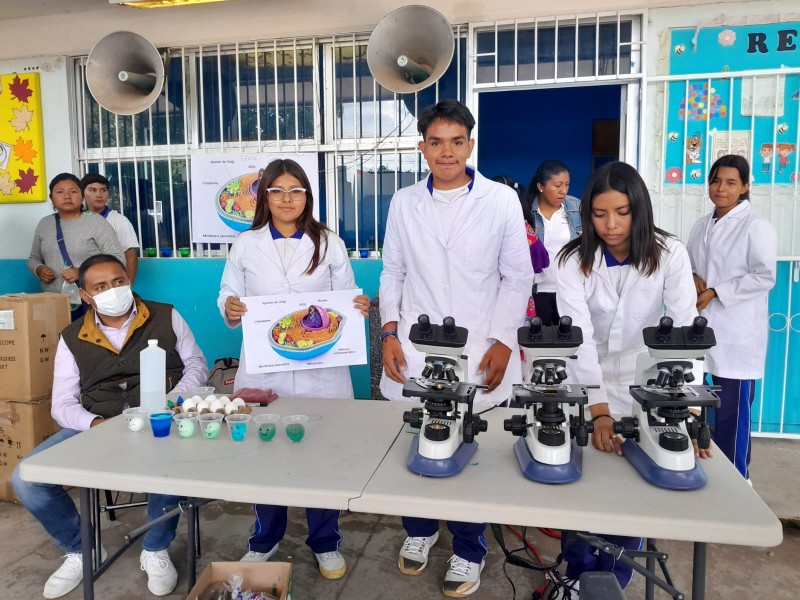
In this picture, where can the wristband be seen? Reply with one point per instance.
(386, 334)
(713, 290)
(600, 416)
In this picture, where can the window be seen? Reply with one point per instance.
(263, 97)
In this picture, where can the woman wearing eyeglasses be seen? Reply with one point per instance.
(285, 251)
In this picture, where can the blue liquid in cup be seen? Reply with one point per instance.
(160, 424)
(238, 431)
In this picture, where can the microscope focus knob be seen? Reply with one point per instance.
(535, 327)
(627, 427)
(698, 328)
(449, 326)
(565, 327)
(517, 425)
(664, 328)
(703, 436)
(424, 322)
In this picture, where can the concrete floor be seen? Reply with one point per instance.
(371, 543)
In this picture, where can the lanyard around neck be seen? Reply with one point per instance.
(61, 245)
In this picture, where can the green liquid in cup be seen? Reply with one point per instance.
(295, 431)
(211, 430)
(266, 431)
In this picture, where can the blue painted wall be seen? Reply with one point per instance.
(522, 128)
(192, 286)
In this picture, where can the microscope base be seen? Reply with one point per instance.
(693, 479)
(442, 467)
(543, 473)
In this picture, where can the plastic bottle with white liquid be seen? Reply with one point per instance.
(153, 377)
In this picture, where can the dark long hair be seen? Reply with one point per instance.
(544, 173)
(306, 221)
(737, 162)
(521, 194)
(647, 241)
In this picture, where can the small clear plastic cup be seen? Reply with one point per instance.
(137, 418)
(266, 426)
(237, 426)
(203, 391)
(295, 426)
(161, 422)
(210, 425)
(186, 423)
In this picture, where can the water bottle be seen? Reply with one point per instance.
(153, 377)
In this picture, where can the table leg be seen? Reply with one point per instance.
(86, 544)
(699, 572)
(650, 563)
(191, 543)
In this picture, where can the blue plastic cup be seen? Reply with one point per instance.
(160, 422)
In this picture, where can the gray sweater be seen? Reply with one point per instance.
(84, 237)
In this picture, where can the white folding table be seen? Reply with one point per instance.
(344, 444)
(610, 498)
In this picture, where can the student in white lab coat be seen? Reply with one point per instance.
(733, 254)
(455, 246)
(287, 251)
(618, 277)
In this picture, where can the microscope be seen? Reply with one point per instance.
(658, 436)
(447, 425)
(550, 446)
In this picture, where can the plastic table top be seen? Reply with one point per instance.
(344, 444)
(610, 498)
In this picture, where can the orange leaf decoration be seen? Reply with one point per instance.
(24, 150)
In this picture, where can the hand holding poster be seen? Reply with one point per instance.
(312, 330)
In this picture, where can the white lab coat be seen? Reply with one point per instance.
(737, 257)
(254, 268)
(612, 323)
(481, 275)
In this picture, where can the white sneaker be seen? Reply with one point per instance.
(331, 564)
(463, 577)
(161, 574)
(253, 556)
(414, 554)
(67, 577)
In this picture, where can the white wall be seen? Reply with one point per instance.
(18, 221)
(244, 20)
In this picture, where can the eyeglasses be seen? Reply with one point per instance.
(293, 195)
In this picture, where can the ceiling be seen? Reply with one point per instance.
(21, 9)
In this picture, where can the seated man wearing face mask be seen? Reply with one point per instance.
(96, 377)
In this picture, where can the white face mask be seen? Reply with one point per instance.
(114, 302)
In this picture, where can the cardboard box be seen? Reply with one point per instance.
(272, 577)
(30, 325)
(23, 426)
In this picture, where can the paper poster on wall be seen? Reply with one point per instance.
(22, 177)
(310, 330)
(760, 112)
(731, 142)
(224, 191)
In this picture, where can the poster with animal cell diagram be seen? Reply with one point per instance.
(224, 188)
(309, 330)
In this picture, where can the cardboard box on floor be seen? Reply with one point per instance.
(272, 577)
(30, 325)
(23, 426)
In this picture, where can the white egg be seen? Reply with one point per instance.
(230, 407)
(216, 405)
(237, 401)
(210, 398)
(202, 405)
(136, 424)
(224, 399)
(189, 404)
(196, 399)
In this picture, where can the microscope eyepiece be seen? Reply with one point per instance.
(449, 326)
(565, 327)
(424, 323)
(664, 328)
(698, 327)
(535, 327)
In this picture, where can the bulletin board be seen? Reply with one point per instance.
(755, 116)
(22, 177)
